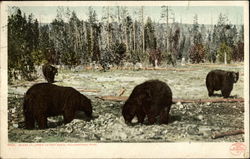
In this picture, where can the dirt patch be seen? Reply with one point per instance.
(189, 122)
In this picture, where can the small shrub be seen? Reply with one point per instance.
(197, 53)
(224, 49)
(39, 57)
(113, 56)
(238, 51)
(107, 58)
(168, 57)
(119, 50)
(155, 54)
(211, 56)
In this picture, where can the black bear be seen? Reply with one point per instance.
(45, 100)
(221, 80)
(152, 98)
(49, 72)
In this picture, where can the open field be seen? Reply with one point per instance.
(190, 121)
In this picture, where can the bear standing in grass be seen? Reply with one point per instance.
(49, 72)
(45, 100)
(151, 98)
(221, 80)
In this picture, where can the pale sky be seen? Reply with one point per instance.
(206, 14)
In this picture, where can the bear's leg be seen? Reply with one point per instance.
(29, 121)
(42, 122)
(141, 117)
(210, 92)
(164, 116)
(68, 117)
(225, 93)
(151, 114)
(151, 118)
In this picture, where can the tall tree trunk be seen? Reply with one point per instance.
(119, 29)
(126, 36)
(143, 38)
(91, 43)
(167, 47)
(108, 35)
(131, 39)
(225, 58)
(134, 35)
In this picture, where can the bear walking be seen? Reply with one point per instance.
(221, 80)
(45, 100)
(151, 98)
(49, 72)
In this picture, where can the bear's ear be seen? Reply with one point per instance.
(236, 76)
(229, 74)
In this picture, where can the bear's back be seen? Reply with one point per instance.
(216, 76)
(50, 90)
(157, 88)
(152, 91)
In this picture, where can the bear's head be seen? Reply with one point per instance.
(128, 112)
(86, 106)
(233, 76)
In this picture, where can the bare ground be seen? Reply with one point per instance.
(190, 122)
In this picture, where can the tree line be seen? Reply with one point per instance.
(117, 38)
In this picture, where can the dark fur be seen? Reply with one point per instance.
(49, 72)
(148, 99)
(45, 100)
(221, 80)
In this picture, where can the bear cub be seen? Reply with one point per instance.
(152, 98)
(221, 80)
(49, 72)
(46, 100)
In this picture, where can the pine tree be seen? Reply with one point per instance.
(21, 45)
(197, 49)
